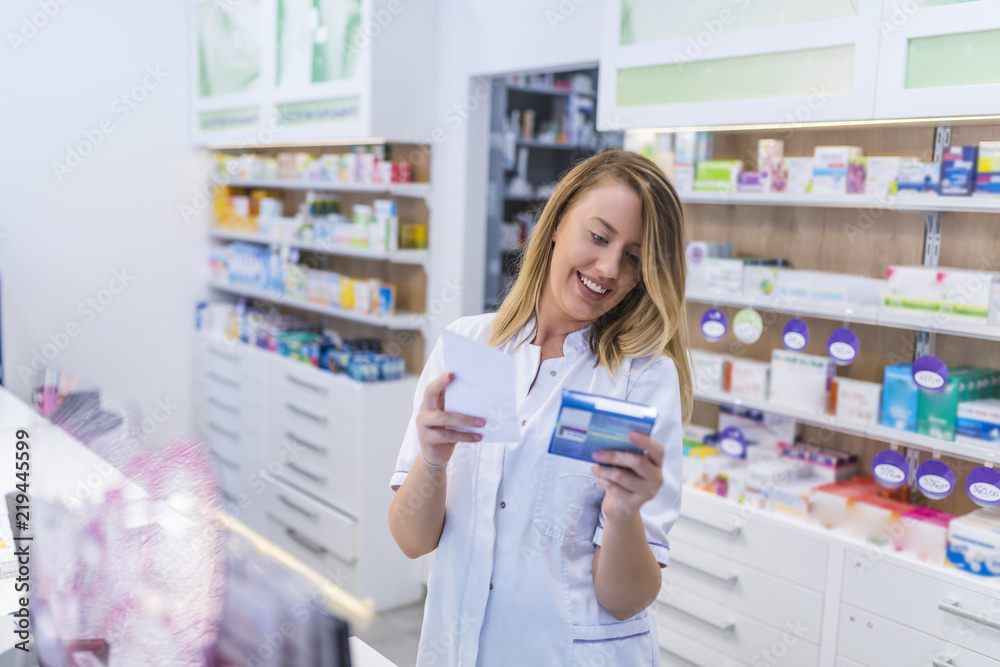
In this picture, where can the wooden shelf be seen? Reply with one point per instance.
(566, 147)
(953, 326)
(907, 204)
(973, 452)
(414, 190)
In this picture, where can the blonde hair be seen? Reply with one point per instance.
(651, 319)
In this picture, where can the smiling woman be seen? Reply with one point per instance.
(543, 559)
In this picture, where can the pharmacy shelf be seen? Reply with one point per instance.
(415, 190)
(419, 257)
(953, 326)
(907, 204)
(399, 321)
(567, 147)
(984, 452)
(551, 91)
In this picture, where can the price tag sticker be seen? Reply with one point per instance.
(796, 335)
(890, 468)
(843, 346)
(930, 373)
(733, 443)
(714, 325)
(935, 479)
(748, 326)
(983, 486)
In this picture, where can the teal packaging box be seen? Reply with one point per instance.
(937, 412)
(900, 398)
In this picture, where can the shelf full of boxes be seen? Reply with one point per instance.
(298, 377)
(839, 241)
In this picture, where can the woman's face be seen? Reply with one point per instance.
(595, 261)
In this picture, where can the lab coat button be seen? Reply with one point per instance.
(523, 422)
(491, 585)
(502, 504)
(552, 373)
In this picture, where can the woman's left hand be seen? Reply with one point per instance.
(637, 479)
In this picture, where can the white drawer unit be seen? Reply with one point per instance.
(743, 589)
(677, 650)
(717, 526)
(304, 457)
(953, 612)
(738, 636)
(870, 639)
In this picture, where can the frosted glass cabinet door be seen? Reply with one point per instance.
(939, 58)
(717, 62)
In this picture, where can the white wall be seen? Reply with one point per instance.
(479, 38)
(63, 240)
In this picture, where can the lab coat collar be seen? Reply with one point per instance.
(576, 342)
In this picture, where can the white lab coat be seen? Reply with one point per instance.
(512, 583)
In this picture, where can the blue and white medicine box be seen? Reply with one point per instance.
(588, 423)
(900, 398)
(958, 170)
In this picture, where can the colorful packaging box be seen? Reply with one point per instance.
(830, 166)
(856, 170)
(684, 148)
(878, 520)
(708, 369)
(747, 378)
(683, 180)
(763, 430)
(753, 181)
(881, 174)
(828, 465)
(864, 292)
(958, 170)
(900, 398)
(974, 542)
(770, 160)
(801, 381)
(979, 422)
(918, 178)
(925, 534)
(939, 292)
(937, 411)
(988, 169)
(723, 276)
(696, 252)
(799, 174)
(855, 400)
(760, 282)
(717, 175)
(830, 505)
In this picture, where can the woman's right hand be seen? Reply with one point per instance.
(435, 426)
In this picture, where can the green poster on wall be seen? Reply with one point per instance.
(317, 41)
(228, 47)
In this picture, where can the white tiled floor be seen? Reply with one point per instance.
(395, 634)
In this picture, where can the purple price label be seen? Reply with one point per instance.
(733, 443)
(843, 346)
(890, 468)
(714, 324)
(935, 479)
(796, 335)
(983, 486)
(930, 373)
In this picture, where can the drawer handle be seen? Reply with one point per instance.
(225, 462)
(674, 653)
(308, 385)
(303, 512)
(724, 578)
(305, 473)
(938, 663)
(226, 432)
(721, 626)
(220, 353)
(224, 380)
(317, 549)
(731, 532)
(305, 443)
(224, 406)
(305, 413)
(950, 607)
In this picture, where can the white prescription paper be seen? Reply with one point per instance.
(484, 386)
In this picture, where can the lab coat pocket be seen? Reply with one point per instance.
(569, 500)
(626, 643)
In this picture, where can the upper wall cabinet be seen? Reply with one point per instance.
(939, 58)
(280, 71)
(717, 62)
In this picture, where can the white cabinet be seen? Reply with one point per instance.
(304, 458)
(737, 62)
(282, 71)
(938, 59)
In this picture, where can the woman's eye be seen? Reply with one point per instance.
(598, 239)
(634, 258)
